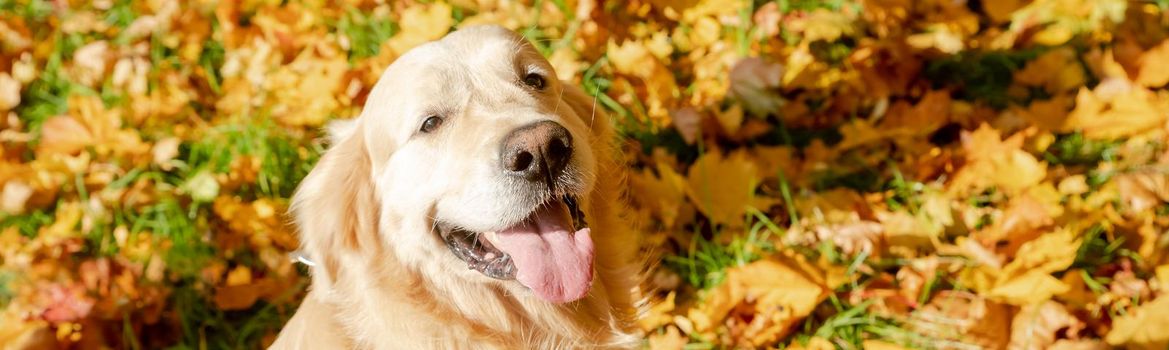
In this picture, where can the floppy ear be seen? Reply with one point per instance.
(334, 208)
(340, 129)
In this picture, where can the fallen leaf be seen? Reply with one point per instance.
(164, 151)
(722, 188)
(1115, 109)
(421, 24)
(9, 92)
(1038, 326)
(780, 293)
(753, 83)
(663, 194)
(1028, 288)
(64, 135)
(1154, 72)
(965, 318)
(670, 340)
(1142, 327)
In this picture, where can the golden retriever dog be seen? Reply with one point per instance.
(474, 204)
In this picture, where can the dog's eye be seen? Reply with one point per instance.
(534, 80)
(431, 123)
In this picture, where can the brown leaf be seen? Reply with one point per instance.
(1038, 326)
(777, 293)
(964, 318)
(65, 135)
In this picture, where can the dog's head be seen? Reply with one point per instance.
(471, 158)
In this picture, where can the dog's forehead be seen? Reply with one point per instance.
(493, 42)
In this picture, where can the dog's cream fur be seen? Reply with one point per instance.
(383, 277)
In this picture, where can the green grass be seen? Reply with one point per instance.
(366, 33)
(850, 325)
(6, 293)
(786, 6)
(205, 326)
(46, 96)
(169, 220)
(705, 261)
(1074, 149)
(211, 60)
(283, 159)
(121, 14)
(29, 9)
(1099, 249)
(980, 76)
(906, 193)
(27, 224)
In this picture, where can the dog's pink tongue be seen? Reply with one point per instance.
(551, 259)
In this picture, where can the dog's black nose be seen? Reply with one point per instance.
(537, 152)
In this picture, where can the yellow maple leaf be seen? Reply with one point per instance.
(662, 194)
(996, 162)
(1154, 72)
(1049, 253)
(780, 291)
(1049, 115)
(1027, 279)
(723, 188)
(1143, 327)
(822, 24)
(1057, 70)
(1029, 288)
(635, 59)
(1116, 108)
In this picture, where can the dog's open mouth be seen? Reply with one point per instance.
(550, 251)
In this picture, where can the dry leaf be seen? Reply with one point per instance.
(722, 188)
(670, 340)
(64, 135)
(1116, 109)
(780, 293)
(753, 83)
(1038, 326)
(421, 24)
(965, 318)
(1142, 327)
(1154, 72)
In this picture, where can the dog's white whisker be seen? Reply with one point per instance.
(593, 117)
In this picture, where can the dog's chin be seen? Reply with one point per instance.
(550, 251)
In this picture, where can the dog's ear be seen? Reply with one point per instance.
(335, 209)
(340, 129)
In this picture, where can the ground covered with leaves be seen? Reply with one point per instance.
(876, 174)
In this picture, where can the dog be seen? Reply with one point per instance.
(475, 203)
